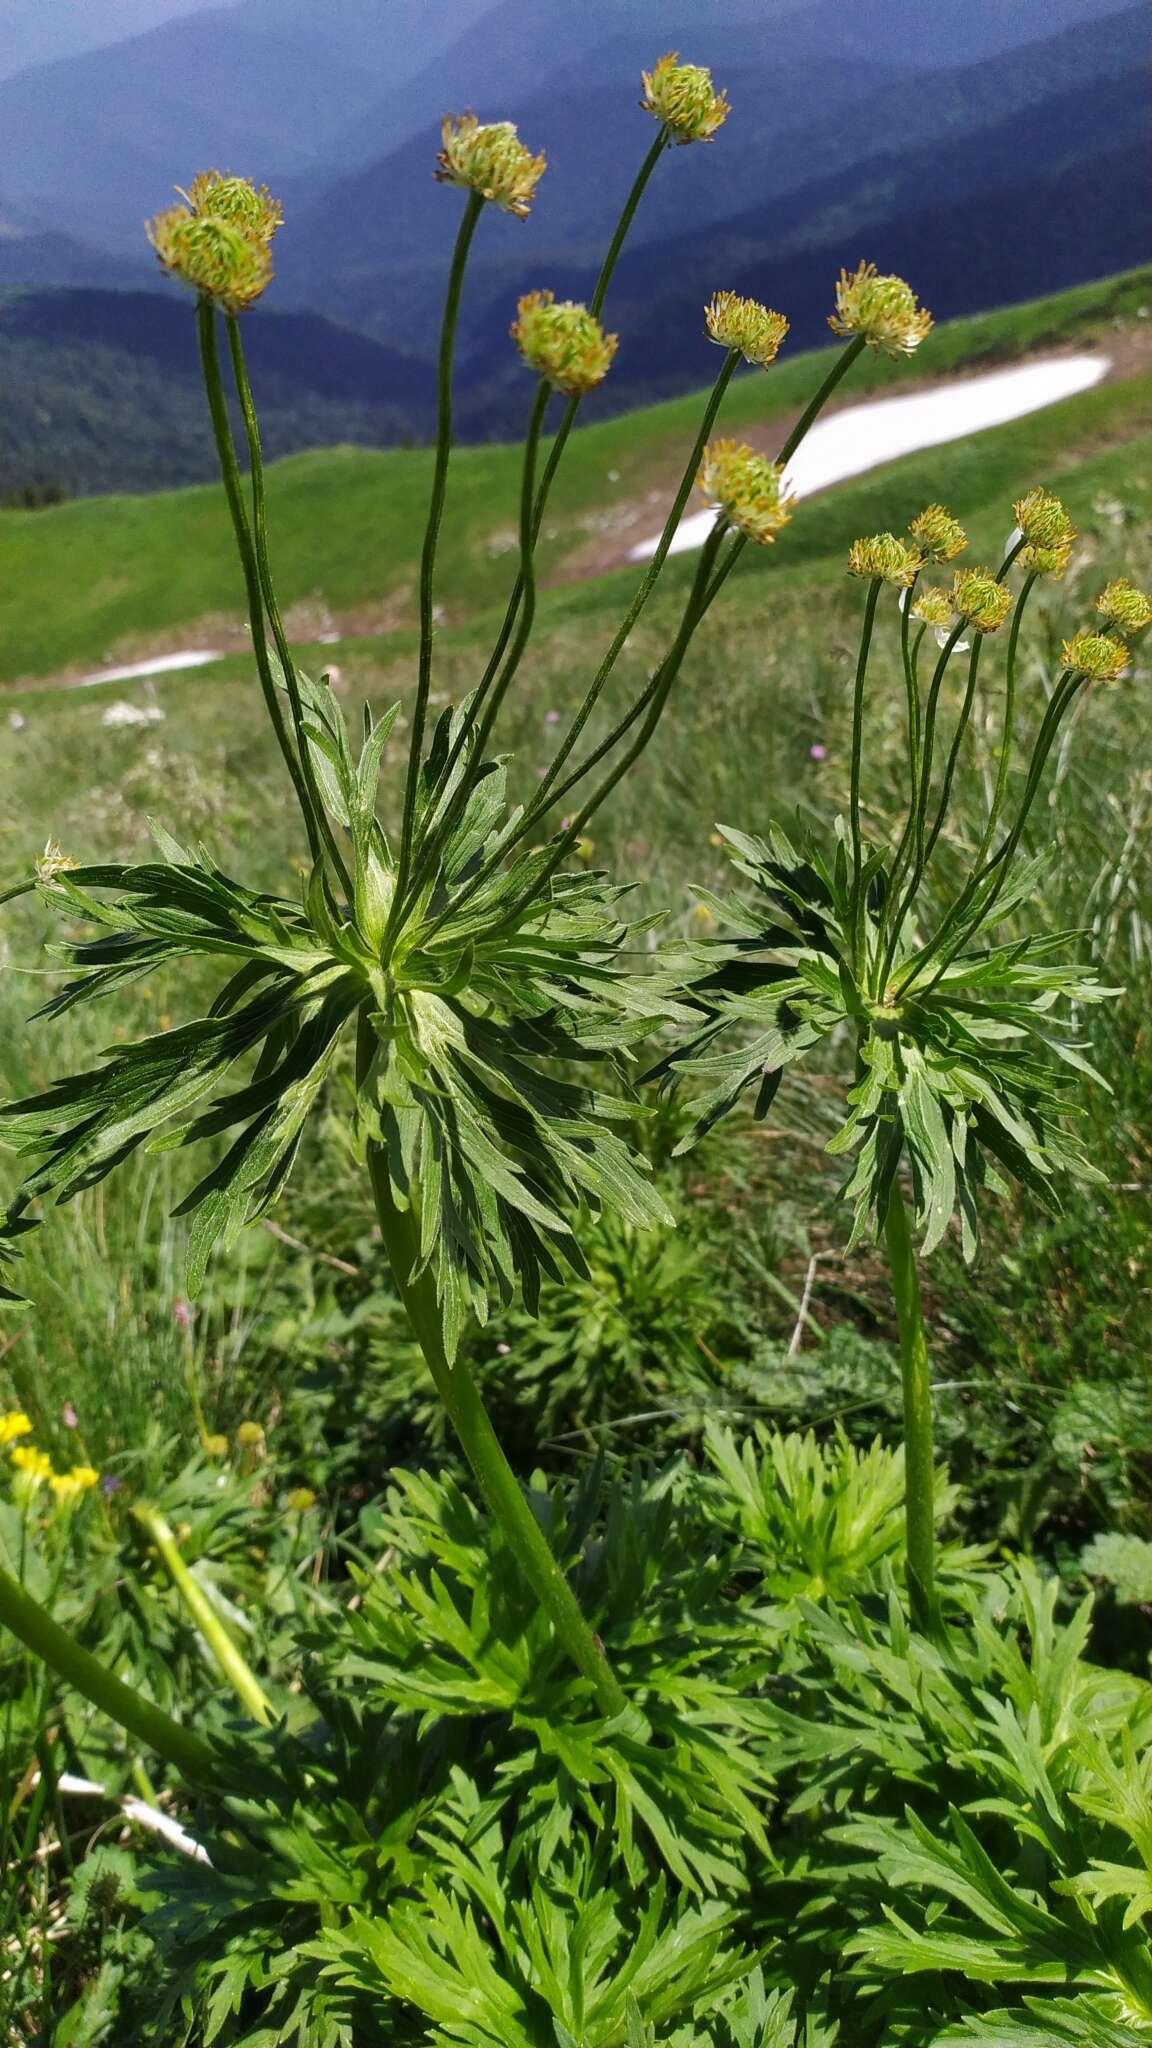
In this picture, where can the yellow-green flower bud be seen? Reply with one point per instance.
(1048, 561)
(70, 1486)
(933, 607)
(217, 259)
(747, 488)
(216, 1446)
(562, 342)
(250, 1433)
(883, 311)
(299, 1499)
(243, 205)
(885, 556)
(1099, 656)
(1043, 520)
(978, 597)
(746, 325)
(939, 537)
(488, 157)
(684, 98)
(1123, 606)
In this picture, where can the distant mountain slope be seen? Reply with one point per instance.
(40, 31)
(103, 390)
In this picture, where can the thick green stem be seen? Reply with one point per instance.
(187, 1752)
(233, 491)
(240, 1677)
(472, 212)
(497, 1481)
(919, 1467)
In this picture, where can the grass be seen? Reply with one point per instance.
(346, 522)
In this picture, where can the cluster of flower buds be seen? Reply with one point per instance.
(34, 1467)
(219, 242)
(883, 311)
(1042, 523)
(1103, 657)
(885, 557)
(938, 536)
(563, 343)
(488, 158)
(684, 100)
(980, 599)
(744, 325)
(747, 488)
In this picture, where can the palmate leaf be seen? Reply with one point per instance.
(964, 1079)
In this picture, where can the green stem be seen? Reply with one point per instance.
(241, 1678)
(954, 749)
(233, 491)
(472, 212)
(497, 1481)
(919, 1466)
(1006, 736)
(873, 599)
(611, 256)
(187, 1752)
(268, 591)
(819, 400)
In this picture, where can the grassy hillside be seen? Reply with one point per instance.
(141, 573)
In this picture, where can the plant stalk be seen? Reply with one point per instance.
(240, 1677)
(919, 1466)
(494, 1475)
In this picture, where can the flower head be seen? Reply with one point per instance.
(33, 1466)
(978, 597)
(1121, 605)
(488, 157)
(885, 556)
(883, 311)
(563, 343)
(218, 259)
(69, 1486)
(746, 325)
(1099, 656)
(1042, 519)
(243, 205)
(216, 1445)
(299, 1499)
(747, 488)
(250, 1433)
(939, 537)
(52, 862)
(683, 97)
(933, 607)
(14, 1424)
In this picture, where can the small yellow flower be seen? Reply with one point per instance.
(939, 537)
(684, 98)
(883, 311)
(300, 1499)
(250, 1433)
(1096, 655)
(34, 1466)
(884, 555)
(216, 1446)
(243, 205)
(933, 607)
(562, 342)
(69, 1486)
(745, 324)
(218, 259)
(1043, 520)
(52, 862)
(1048, 561)
(747, 488)
(978, 597)
(489, 158)
(703, 918)
(12, 1425)
(1121, 605)
(584, 849)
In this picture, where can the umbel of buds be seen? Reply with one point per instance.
(488, 158)
(933, 607)
(938, 536)
(223, 254)
(980, 599)
(563, 343)
(243, 205)
(1047, 532)
(1120, 604)
(1098, 656)
(883, 311)
(683, 97)
(746, 325)
(884, 555)
(747, 488)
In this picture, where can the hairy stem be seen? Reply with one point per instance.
(919, 1468)
(233, 491)
(472, 212)
(240, 1677)
(494, 1475)
(31, 1623)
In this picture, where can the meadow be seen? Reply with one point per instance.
(279, 1437)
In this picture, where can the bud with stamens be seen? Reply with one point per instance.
(219, 260)
(747, 488)
(1043, 520)
(883, 311)
(938, 536)
(933, 607)
(562, 342)
(1121, 605)
(243, 205)
(683, 97)
(1099, 656)
(746, 325)
(978, 597)
(489, 158)
(883, 555)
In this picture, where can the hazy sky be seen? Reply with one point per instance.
(35, 31)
